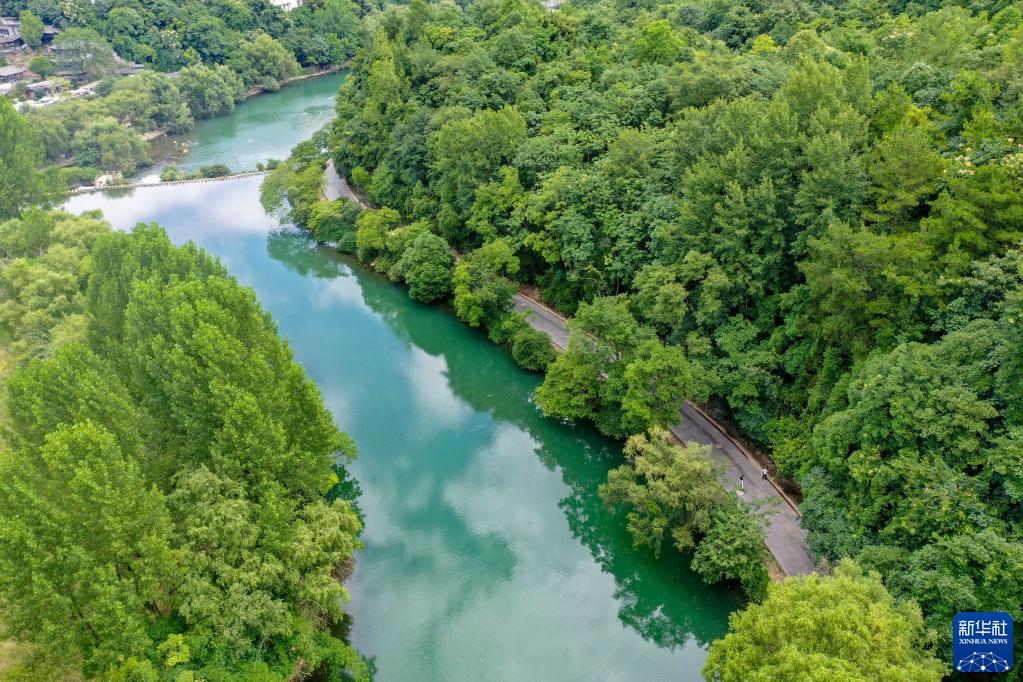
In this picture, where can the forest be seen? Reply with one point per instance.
(805, 214)
(174, 501)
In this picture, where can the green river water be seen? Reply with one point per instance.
(259, 129)
(488, 555)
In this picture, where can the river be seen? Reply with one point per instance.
(488, 555)
(260, 128)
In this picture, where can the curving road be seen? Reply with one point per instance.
(786, 539)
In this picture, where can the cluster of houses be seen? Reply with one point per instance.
(10, 35)
(11, 45)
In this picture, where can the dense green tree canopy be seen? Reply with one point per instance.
(805, 213)
(840, 627)
(85, 54)
(218, 51)
(426, 267)
(31, 28)
(673, 496)
(21, 154)
(168, 495)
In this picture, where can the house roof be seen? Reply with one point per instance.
(11, 70)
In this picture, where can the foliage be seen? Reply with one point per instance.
(807, 214)
(171, 36)
(31, 29)
(84, 53)
(371, 231)
(216, 170)
(42, 283)
(144, 102)
(673, 495)
(42, 66)
(842, 627)
(483, 292)
(265, 61)
(176, 457)
(105, 143)
(733, 549)
(20, 156)
(77, 176)
(670, 490)
(618, 373)
(531, 349)
(293, 187)
(426, 267)
(86, 497)
(218, 51)
(334, 221)
(210, 91)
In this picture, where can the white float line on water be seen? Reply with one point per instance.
(110, 188)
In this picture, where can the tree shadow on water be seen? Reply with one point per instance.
(659, 598)
(300, 254)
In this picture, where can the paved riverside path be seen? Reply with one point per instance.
(335, 187)
(786, 539)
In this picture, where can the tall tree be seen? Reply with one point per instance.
(21, 154)
(31, 28)
(85, 549)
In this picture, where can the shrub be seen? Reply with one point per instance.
(733, 549)
(216, 170)
(42, 66)
(171, 173)
(77, 176)
(330, 221)
(531, 349)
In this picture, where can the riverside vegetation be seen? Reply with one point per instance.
(807, 214)
(216, 54)
(174, 500)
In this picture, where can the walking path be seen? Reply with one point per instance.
(786, 539)
(336, 187)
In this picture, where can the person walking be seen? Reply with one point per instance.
(742, 482)
(763, 475)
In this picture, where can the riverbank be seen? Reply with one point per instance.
(256, 90)
(786, 538)
(257, 130)
(488, 551)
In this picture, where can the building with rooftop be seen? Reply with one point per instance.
(12, 74)
(10, 35)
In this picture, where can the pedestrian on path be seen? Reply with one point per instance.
(742, 483)
(763, 475)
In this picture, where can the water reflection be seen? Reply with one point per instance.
(488, 554)
(661, 600)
